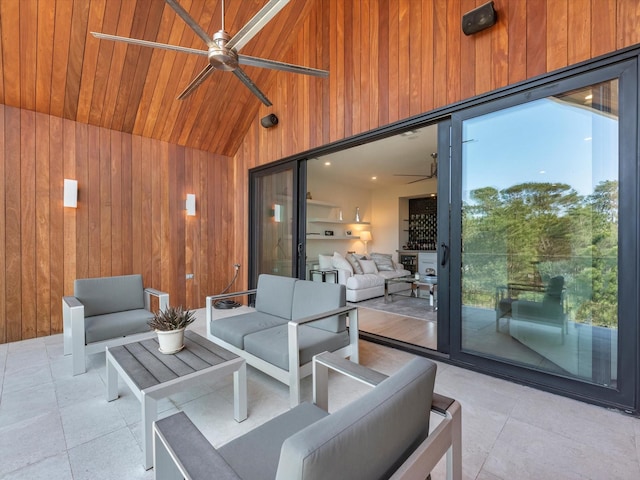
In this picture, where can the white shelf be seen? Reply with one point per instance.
(322, 204)
(336, 221)
(331, 237)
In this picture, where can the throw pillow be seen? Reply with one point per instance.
(340, 262)
(325, 261)
(354, 261)
(368, 266)
(383, 262)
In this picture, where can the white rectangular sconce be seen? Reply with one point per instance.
(277, 213)
(191, 204)
(70, 198)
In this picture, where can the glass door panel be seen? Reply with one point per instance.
(539, 264)
(273, 224)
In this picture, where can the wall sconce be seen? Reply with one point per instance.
(70, 196)
(276, 213)
(365, 236)
(190, 206)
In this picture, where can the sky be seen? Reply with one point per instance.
(544, 140)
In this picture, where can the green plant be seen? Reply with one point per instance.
(171, 318)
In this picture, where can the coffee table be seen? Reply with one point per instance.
(152, 375)
(430, 281)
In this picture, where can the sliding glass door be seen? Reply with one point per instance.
(274, 221)
(547, 221)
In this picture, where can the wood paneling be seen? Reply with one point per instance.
(50, 63)
(408, 57)
(130, 217)
(106, 115)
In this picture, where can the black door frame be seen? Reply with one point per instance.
(625, 395)
(446, 112)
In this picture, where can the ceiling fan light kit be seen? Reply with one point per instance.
(222, 49)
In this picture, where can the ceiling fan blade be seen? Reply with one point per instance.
(285, 67)
(195, 83)
(147, 43)
(182, 13)
(244, 78)
(254, 25)
(419, 180)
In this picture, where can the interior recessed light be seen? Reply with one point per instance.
(433, 194)
(327, 163)
(542, 172)
(588, 97)
(374, 178)
(408, 133)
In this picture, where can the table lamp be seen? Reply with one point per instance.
(365, 236)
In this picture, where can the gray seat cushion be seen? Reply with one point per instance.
(312, 298)
(271, 345)
(234, 329)
(369, 438)
(274, 295)
(113, 325)
(255, 455)
(109, 294)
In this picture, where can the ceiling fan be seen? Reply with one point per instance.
(433, 170)
(222, 51)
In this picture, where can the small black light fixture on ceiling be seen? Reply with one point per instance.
(269, 121)
(479, 18)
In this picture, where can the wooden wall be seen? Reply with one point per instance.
(393, 59)
(130, 217)
(389, 60)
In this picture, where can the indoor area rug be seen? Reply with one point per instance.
(407, 306)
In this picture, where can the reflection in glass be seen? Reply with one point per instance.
(275, 224)
(540, 230)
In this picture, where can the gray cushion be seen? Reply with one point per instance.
(113, 325)
(383, 261)
(233, 329)
(274, 295)
(354, 260)
(312, 298)
(109, 294)
(271, 344)
(369, 438)
(255, 454)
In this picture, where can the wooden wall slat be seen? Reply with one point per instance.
(557, 34)
(56, 250)
(68, 256)
(42, 225)
(79, 21)
(3, 230)
(61, 39)
(517, 18)
(27, 222)
(578, 29)
(44, 55)
(28, 51)
(118, 246)
(83, 230)
(13, 231)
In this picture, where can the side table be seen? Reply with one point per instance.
(323, 273)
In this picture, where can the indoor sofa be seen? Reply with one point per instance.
(382, 435)
(364, 275)
(291, 321)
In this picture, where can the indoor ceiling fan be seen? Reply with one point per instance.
(433, 170)
(222, 51)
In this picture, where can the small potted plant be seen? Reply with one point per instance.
(170, 325)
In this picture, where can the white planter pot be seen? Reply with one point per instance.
(171, 341)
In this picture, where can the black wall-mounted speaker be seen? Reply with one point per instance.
(478, 19)
(269, 121)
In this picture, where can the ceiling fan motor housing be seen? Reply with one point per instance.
(220, 57)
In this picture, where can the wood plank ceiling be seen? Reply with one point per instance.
(50, 63)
